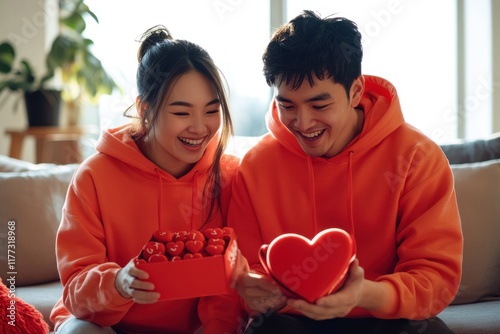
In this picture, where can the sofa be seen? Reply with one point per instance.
(32, 195)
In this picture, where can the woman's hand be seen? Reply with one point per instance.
(338, 304)
(130, 283)
(259, 292)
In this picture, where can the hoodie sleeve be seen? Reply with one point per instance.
(429, 241)
(89, 279)
(242, 218)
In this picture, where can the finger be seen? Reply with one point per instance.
(142, 285)
(145, 297)
(253, 279)
(312, 311)
(136, 272)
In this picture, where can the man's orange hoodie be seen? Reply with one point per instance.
(116, 200)
(391, 188)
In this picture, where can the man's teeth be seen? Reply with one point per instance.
(312, 134)
(193, 142)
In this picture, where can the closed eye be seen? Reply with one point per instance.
(321, 107)
(180, 113)
(213, 112)
(284, 107)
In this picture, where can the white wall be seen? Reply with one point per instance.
(31, 26)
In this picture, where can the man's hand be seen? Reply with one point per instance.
(259, 292)
(131, 285)
(338, 304)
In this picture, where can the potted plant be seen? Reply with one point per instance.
(70, 57)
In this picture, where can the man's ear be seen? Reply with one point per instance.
(357, 89)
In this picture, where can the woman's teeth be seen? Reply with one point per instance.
(192, 142)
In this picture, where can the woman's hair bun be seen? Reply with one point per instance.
(151, 37)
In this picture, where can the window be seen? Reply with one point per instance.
(234, 33)
(413, 44)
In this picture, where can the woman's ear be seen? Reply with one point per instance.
(357, 89)
(139, 106)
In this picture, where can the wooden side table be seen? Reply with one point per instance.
(45, 138)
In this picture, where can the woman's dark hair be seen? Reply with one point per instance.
(162, 60)
(310, 46)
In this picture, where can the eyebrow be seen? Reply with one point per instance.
(319, 97)
(187, 104)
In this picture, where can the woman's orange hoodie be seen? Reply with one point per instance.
(115, 202)
(391, 187)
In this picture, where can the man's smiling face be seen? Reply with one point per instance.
(321, 116)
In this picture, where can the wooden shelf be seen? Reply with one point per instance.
(53, 144)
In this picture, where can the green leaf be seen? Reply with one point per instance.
(75, 21)
(7, 56)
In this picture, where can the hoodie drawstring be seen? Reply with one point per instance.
(312, 192)
(194, 195)
(350, 209)
(160, 198)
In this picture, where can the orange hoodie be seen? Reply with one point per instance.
(116, 200)
(391, 187)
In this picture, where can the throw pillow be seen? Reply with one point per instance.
(17, 316)
(30, 214)
(473, 151)
(478, 195)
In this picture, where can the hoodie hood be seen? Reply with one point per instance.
(118, 144)
(382, 115)
(188, 189)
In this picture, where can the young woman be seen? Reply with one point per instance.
(167, 171)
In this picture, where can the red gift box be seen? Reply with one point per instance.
(195, 277)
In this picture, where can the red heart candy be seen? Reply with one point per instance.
(158, 258)
(310, 269)
(195, 235)
(216, 241)
(163, 236)
(175, 247)
(227, 231)
(151, 248)
(194, 246)
(213, 233)
(180, 236)
(197, 256)
(214, 249)
(176, 258)
(189, 256)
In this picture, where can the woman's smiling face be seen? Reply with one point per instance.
(189, 119)
(321, 116)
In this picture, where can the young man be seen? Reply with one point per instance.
(339, 154)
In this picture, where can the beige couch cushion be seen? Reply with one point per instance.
(31, 204)
(478, 195)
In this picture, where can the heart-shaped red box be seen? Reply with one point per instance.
(193, 278)
(309, 269)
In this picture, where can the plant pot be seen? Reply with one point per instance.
(43, 107)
